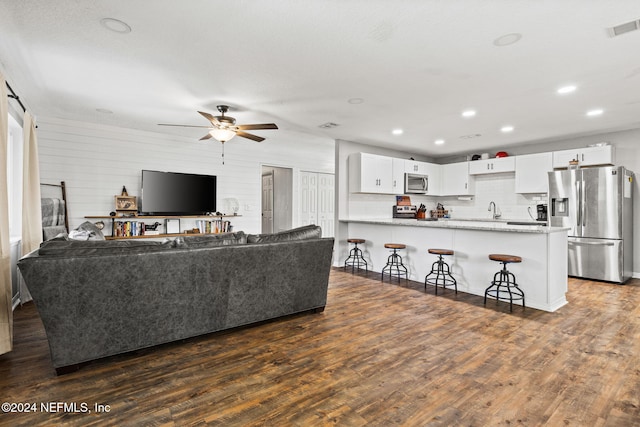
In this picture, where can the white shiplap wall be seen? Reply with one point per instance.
(96, 160)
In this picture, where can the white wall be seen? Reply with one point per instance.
(95, 161)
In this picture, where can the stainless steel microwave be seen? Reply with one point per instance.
(415, 183)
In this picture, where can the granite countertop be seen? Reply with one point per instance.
(466, 223)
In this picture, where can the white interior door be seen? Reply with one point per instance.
(308, 198)
(326, 203)
(317, 201)
(267, 203)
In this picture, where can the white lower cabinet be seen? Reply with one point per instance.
(531, 172)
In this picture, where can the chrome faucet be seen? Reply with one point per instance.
(495, 215)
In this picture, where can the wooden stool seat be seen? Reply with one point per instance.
(505, 258)
(359, 241)
(441, 251)
(395, 246)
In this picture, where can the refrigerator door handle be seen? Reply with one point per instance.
(579, 207)
(574, 242)
(584, 204)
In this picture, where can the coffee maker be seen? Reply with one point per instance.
(542, 212)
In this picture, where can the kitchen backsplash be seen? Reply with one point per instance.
(499, 188)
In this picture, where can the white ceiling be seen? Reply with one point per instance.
(416, 64)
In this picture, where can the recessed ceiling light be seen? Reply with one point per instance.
(355, 101)
(507, 39)
(468, 113)
(439, 141)
(595, 112)
(566, 89)
(506, 129)
(115, 25)
(397, 131)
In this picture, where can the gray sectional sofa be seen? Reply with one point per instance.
(101, 298)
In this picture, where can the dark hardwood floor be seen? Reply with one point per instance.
(381, 354)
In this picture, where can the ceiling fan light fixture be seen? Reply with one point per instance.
(221, 134)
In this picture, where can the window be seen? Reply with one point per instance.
(14, 178)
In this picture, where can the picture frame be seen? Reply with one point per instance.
(126, 204)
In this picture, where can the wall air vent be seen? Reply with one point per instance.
(627, 27)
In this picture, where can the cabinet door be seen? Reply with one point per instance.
(397, 182)
(455, 179)
(596, 156)
(370, 173)
(414, 166)
(434, 173)
(587, 156)
(531, 173)
(562, 158)
(480, 167)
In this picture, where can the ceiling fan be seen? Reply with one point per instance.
(223, 128)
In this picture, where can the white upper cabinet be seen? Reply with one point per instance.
(397, 182)
(497, 165)
(455, 180)
(531, 172)
(588, 156)
(370, 173)
(414, 166)
(434, 173)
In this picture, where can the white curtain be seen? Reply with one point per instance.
(31, 208)
(6, 311)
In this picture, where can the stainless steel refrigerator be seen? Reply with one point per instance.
(597, 205)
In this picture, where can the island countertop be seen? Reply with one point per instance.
(542, 274)
(518, 226)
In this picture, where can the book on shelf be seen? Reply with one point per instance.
(217, 225)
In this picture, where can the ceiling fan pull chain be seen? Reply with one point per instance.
(223, 153)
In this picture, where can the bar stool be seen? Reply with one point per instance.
(504, 279)
(355, 258)
(441, 270)
(395, 262)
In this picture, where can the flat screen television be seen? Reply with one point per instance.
(172, 193)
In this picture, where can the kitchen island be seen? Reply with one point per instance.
(542, 275)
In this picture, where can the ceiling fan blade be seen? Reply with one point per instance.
(185, 126)
(250, 136)
(210, 117)
(258, 126)
(207, 136)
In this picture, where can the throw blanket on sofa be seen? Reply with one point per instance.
(53, 212)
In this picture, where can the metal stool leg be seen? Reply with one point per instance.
(443, 277)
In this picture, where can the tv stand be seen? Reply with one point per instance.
(129, 226)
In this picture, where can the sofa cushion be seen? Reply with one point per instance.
(211, 240)
(53, 232)
(80, 248)
(301, 233)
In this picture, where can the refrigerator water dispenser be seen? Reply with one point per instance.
(560, 206)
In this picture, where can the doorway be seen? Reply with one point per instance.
(277, 199)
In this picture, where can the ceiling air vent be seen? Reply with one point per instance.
(627, 27)
(329, 125)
